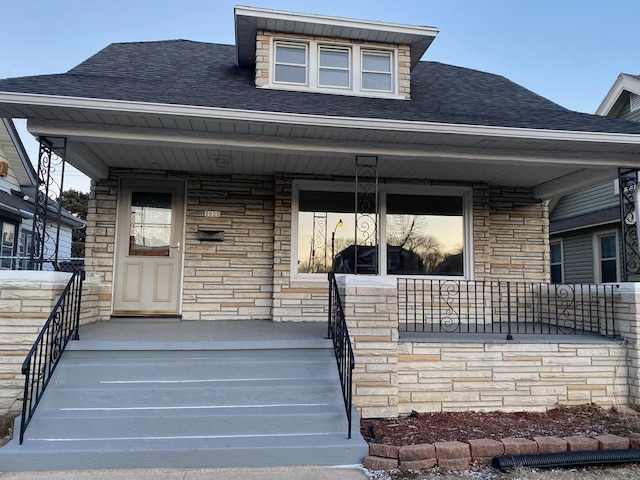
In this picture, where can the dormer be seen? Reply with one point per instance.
(316, 53)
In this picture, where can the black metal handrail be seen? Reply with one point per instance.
(505, 307)
(337, 330)
(41, 361)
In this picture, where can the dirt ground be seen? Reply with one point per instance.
(588, 420)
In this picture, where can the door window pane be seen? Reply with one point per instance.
(150, 227)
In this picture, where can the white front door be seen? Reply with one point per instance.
(150, 239)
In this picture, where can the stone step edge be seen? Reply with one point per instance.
(461, 455)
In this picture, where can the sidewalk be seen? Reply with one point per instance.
(271, 473)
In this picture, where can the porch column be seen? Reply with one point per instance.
(371, 310)
(627, 317)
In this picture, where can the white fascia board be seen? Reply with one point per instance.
(228, 114)
(335, 21)
(623, 83)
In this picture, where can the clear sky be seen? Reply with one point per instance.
(569, 51)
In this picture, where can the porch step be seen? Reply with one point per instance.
(190, 408)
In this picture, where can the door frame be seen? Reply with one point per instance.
(117, 246)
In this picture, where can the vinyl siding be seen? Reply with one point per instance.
(578, 258)
(627, 114)
(588, 200)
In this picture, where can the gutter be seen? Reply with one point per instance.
(217, 113)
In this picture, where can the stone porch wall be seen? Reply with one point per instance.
(26, 301)
(480, 376)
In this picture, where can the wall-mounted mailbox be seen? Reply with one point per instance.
(211, 235)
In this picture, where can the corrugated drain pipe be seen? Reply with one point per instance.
(568, 459)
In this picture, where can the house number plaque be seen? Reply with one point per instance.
(212, 213)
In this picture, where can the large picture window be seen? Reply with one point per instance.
(420, 233)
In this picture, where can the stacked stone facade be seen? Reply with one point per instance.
(248, 275)
(263, 57)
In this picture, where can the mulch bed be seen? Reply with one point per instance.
(416, 428)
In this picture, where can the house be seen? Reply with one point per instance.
(228, 180)
(18, 181)
(587, 241)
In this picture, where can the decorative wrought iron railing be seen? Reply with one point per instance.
(338, 331)
(504, 307)
(41, 361)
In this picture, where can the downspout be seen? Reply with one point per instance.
(568, 459)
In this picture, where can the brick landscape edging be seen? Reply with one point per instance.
(459, 455)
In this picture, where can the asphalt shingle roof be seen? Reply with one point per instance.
(183, 72)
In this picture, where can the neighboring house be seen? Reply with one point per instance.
(585, 230)
(259, 146)
(17, 190)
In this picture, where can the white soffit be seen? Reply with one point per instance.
(624, 82)
(248, 20)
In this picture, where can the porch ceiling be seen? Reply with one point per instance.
(550, 162)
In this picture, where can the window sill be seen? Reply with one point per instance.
(330, 91)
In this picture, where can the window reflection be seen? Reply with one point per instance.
(150, 228)
(424, 235)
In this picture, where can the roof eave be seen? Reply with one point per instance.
(228, 114)
(248, 20)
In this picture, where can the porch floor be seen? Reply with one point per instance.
(175, 334)
(530, 332)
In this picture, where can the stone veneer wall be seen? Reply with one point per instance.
(293, 300)
(26, 300)
(263, 60)
(510, 235)
(233, 278)
(249, 274)
(482, 376)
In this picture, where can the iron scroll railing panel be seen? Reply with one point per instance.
(503, 307)
(338, 331)
(41, 361)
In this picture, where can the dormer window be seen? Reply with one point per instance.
(290, 64)
(334, 67)
(377, 71)
(345, 68)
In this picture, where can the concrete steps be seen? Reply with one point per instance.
(189, 408)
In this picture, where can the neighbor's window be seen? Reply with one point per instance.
(334, 69)
(377, 71)
(424, 234)
(607, 249)
(555, 249)
(7, 244)
(291, 63)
